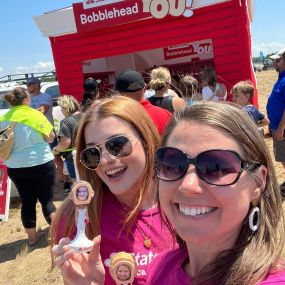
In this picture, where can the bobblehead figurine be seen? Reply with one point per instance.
(81, 195)
(123, 268)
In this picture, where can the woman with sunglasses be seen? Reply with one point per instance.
(218, 190)
(116, 143)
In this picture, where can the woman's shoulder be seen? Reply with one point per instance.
(274, 278)
(167, 268)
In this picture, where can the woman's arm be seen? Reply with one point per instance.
(50, 137)
(264, 122)
(64, 143)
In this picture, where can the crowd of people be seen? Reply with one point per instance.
(181, 180)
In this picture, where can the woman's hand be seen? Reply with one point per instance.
(79, 268)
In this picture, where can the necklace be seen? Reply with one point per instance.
(147, 242)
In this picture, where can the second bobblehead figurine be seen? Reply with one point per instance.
(81, 195)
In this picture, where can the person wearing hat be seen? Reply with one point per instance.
(91, 92)
(40, 101)
(276, 111)
(130, 83)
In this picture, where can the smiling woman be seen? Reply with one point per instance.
(116, 142)
(217, 188)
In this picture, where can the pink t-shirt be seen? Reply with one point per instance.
(168, 270)
(113, 239)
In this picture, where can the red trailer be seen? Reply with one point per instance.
(100, 38)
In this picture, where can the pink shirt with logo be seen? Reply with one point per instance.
(148, 224)
(168, 270)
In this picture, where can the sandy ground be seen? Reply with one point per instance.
(19, 265)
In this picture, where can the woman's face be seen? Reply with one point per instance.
(201, 212)
(123, 273)
(121, 175)
(82, 193)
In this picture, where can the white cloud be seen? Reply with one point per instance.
(266, 48)
(39, 66)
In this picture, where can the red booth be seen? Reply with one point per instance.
(100, 38)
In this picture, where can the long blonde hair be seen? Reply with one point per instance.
(254, 254)
(134, 114)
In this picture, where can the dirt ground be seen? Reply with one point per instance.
(18, 265)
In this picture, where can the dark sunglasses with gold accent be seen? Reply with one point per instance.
(118, 146)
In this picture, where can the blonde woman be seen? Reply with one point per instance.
(66, 135)
(160, 82)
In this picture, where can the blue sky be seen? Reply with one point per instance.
(24, 49)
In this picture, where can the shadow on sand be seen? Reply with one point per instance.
(19, 248)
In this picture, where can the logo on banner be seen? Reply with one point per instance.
(161, 8)
(195, 49)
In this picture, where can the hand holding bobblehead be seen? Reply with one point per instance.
(81, 195)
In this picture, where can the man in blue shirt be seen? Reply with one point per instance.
(40, 101)
(276, 111)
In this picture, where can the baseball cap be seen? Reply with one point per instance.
(33, 80)
(129, 81)
(91, 84)
(279, 54)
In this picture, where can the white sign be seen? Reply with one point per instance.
(97, 3)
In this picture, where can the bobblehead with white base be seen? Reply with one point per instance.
(123, 268)
(81, 195)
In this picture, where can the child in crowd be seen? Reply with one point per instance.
(243, 92)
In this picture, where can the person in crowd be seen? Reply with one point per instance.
(220, 197)
(40, 101)
(150, 92)
(66, 135)
(116, 142)
(212, 89)
(276, 112)
(243, 92)
(91, 92)
(189, 89)
(31, 163)
(131, 84)
(160, 82)
(43, 103)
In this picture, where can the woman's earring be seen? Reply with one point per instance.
(254, 218)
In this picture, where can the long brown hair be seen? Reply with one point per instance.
(255, 254)
(133, 113)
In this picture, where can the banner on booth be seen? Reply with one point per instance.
(93, 15)
(98, 14)
(5, 190)
(198, 49)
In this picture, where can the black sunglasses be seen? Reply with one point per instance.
(216, 166)
(118, 146)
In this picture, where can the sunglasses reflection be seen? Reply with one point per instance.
(119, 147)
